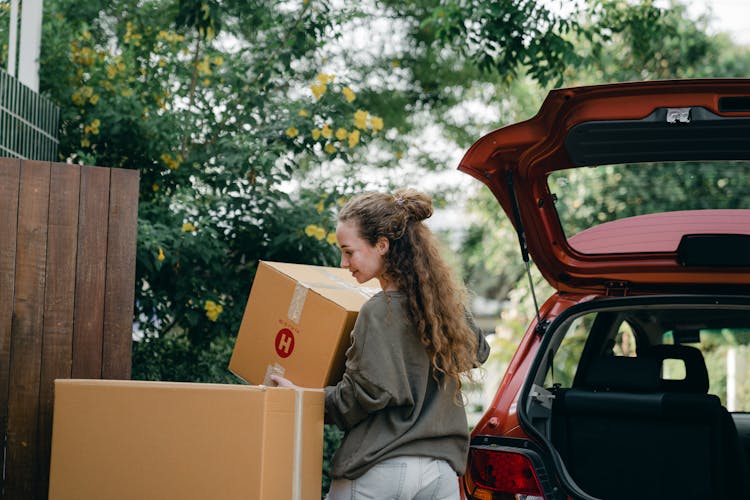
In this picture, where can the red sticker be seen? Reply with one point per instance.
(284, 343)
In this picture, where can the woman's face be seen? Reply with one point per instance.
(363, 260)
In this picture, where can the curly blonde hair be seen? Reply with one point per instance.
(437, 301)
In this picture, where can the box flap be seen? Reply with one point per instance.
(335, 284)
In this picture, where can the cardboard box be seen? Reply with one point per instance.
(124, 440)
(297, 321)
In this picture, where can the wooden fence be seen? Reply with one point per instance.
(67, 277)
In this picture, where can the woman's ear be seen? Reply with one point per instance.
(382, 245)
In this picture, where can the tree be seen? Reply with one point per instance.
(223, 107)
(215, 104)
(617, 41)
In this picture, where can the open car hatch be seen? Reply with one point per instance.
(629, 186)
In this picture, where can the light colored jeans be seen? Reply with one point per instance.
(400, 478)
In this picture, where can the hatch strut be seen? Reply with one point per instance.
(540, 326)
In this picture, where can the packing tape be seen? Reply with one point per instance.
(365, 291)
(300, 292)
(297, 464)
(297, 302)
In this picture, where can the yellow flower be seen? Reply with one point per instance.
(329, 148)
(188, 228)
(395, 63)
(155, 187)
(331, 238)
(348, 94)
(302, 112)
(341, 201)
(292, 132)
(318, 89)
(341, 134)
(78, 99)
(310, 230)
(85, 142)
(173, 164)
(324, 78)
(320, 206)
(160, 257)
(327, 131)
(95, 125)
(213, 310)
(204, 66)
(353, 138)
(360, 119)
(316, 134)
(377, 123)
(320, 233)
(94, 99)
(218, 60)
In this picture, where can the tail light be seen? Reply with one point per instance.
(501, 474)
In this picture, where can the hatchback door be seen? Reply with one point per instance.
(667, 163)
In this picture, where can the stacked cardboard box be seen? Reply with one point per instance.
(124, 440)
(297, 321)
(127, 440)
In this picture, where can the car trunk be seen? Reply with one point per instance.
(633, 200)
(625, 423)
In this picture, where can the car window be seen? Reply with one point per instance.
(565, 362)
(588, 197)
(726, 352)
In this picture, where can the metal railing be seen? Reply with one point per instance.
(28, 122)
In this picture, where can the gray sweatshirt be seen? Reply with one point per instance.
(388, 403)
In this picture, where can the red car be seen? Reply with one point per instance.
(633, 382)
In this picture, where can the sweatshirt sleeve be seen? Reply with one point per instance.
(483, 348)
(371, 379)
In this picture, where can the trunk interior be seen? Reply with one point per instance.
(648, 398)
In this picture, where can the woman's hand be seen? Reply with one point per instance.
(282, 382)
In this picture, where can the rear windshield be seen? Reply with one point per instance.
(588, 197)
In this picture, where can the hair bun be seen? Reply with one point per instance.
(418, 205)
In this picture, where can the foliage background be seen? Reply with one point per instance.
(251, 121)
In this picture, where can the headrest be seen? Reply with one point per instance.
(624, 374)
(696, 374)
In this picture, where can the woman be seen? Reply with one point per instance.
(399, 401)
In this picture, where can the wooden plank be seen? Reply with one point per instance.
(120, 285)
(27, 324)
(90, 273)
(10, 171)
(57, 344)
